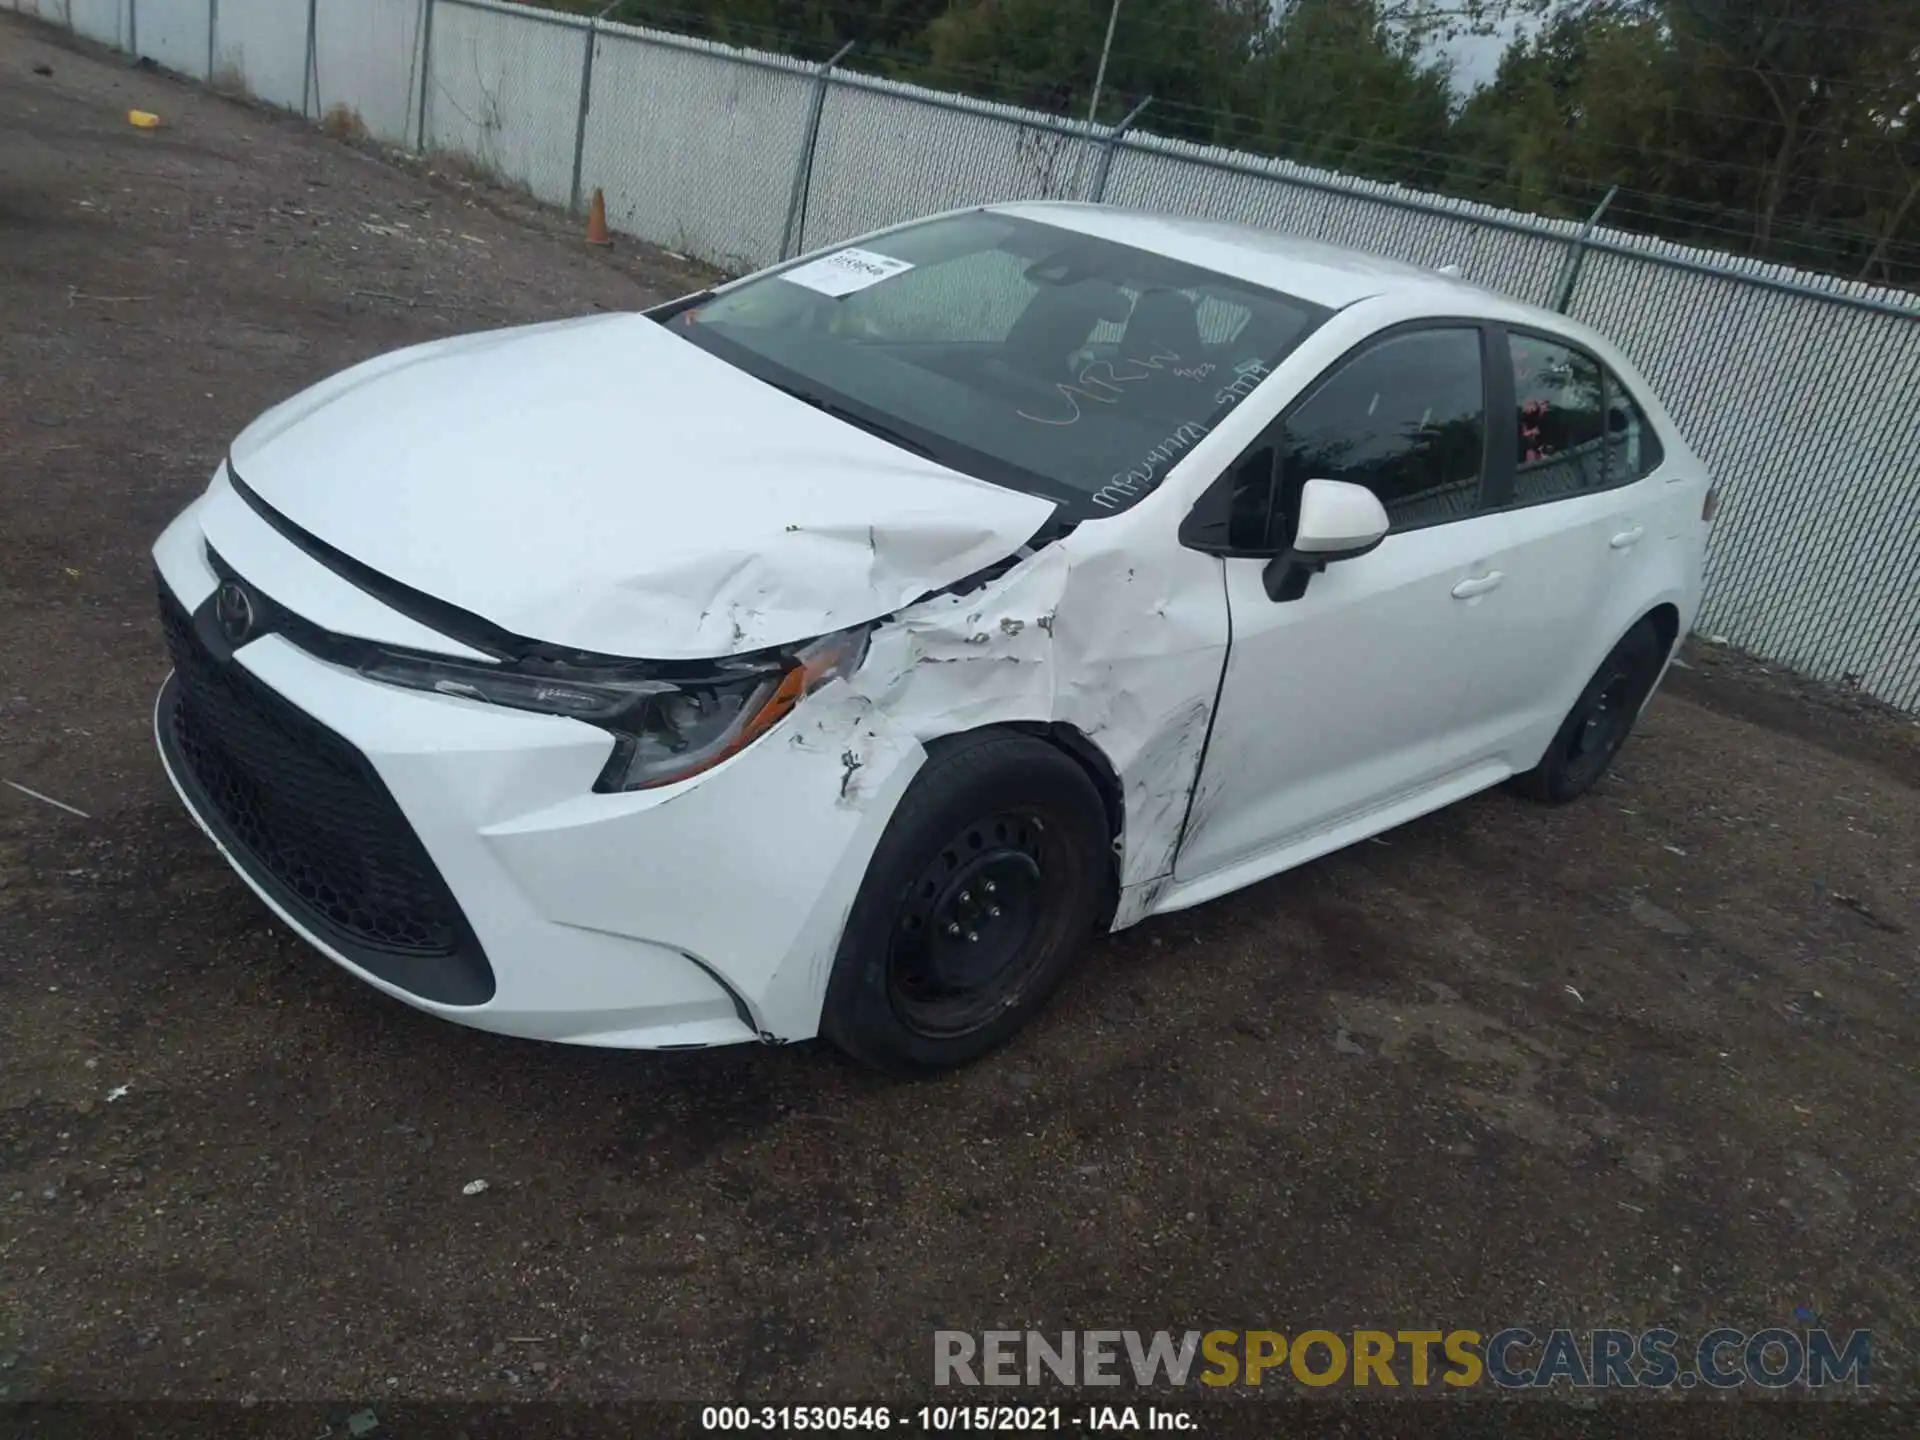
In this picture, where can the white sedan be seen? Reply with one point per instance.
(835, 652)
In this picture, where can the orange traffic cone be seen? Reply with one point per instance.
(597, 220)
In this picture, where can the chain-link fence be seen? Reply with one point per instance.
(365, 64)
(260, 46)
(1799, 389)
(174, 35)
(507, 96)
(717, 187)
(108, 21)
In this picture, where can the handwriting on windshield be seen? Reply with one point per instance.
(1101, 383)
(1151, 468)
(1144, 475)
(1246, 380)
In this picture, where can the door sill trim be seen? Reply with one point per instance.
(1482, 775)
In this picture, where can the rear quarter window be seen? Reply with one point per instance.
(1633, 446)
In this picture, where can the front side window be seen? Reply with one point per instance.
(1406, 418)
(1560, 401)
(1021, 353)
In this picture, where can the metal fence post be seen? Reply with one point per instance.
(1577, 251)
(426, 74)
(586, 99)
(133, 27)
(1112, 143)
(790, 237)
(213, 24)
(311, 74)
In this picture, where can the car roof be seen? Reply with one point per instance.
(1329, 275)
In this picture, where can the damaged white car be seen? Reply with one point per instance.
(837, 651)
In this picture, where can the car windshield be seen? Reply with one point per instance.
(1022, 353)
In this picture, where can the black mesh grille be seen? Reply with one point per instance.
(304, 805)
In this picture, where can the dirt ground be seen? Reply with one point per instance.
(1648, 1059)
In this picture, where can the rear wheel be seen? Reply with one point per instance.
(1600, 721)
(984, 888)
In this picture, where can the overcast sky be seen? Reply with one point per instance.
(1476, 57)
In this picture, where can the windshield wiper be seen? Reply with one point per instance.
(674, 309)
(876, 427)
(872, 427)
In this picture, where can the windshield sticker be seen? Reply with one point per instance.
(1098, 376)
(1151, 469)
(846, 271)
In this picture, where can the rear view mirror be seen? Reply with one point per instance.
(1338, 521)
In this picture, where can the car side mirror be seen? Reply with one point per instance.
(1338, 521)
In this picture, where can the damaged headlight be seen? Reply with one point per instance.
(664, 730)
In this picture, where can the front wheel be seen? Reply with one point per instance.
(1600, 721)
(984, 888)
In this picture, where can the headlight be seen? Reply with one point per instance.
(664, 730)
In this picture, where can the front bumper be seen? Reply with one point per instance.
(697, 914)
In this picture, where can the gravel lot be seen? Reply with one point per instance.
(1648, 1059)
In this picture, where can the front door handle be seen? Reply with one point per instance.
(1478, 585)
(1628, 538)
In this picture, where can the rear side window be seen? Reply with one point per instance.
(1633, 448)
(1406, 418)
(1561, 402)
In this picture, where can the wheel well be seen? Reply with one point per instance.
(1074, 743)
(1666, 624)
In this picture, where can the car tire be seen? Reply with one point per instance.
(1600, 721)
(985, 886)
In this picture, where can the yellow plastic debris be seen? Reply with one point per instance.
(145, 119)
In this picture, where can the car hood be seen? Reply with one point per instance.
(604, 484)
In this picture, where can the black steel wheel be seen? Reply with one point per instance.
(963, 939)
(1604, 724)
(1600, 721)
(985, 886)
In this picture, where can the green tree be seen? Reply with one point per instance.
(1784, 128)
(1185, 54)
(1584, 105)
(1331, 83)
(889, 34)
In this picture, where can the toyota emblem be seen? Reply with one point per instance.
(233, 612)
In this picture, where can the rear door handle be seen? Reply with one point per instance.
(1478, 585)
(1628, 538)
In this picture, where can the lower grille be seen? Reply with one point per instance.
(312, 821)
